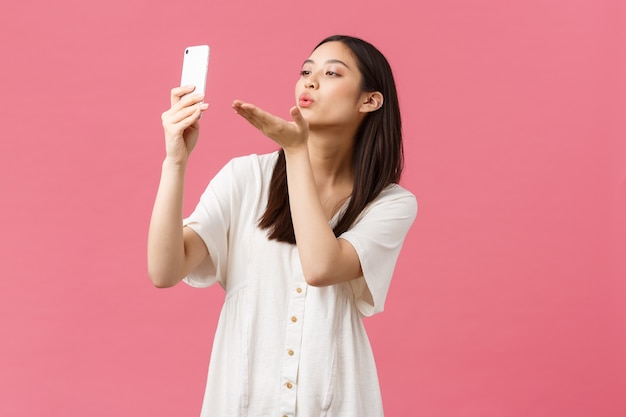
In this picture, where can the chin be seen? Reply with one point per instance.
(306, 114)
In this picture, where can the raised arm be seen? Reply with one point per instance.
(326, 260)
(173, 251)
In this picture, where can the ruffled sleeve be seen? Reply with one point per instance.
(377, 237)
(211, 220)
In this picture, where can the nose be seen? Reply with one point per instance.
(310, 83)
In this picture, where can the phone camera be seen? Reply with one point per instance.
(186, 51)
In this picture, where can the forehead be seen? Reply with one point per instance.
(330, 51)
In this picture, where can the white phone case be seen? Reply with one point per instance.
(195, 67)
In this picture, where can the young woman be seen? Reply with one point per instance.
(303, 240)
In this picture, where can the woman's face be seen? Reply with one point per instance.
(328, 92)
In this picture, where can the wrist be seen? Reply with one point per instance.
(296, 151)
(172, 163)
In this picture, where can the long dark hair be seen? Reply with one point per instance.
(378, 156)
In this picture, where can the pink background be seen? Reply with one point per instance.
(509, 295)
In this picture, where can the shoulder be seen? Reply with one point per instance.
(395, 191)
(393, 205)
(394, 195)
(241, 183)
(253, 164)
(246, 178)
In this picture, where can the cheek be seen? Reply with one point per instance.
(347, 97)
(296, 89)
(349, 91)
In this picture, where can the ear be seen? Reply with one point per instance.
(372, 101)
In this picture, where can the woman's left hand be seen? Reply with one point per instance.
(289, 135)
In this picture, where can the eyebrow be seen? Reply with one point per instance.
(330, 61)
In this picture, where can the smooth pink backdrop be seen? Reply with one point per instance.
(508, 299)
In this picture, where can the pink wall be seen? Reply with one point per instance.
(509, 297)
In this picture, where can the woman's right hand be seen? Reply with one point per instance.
(180, 123)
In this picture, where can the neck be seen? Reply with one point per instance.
(331, 159)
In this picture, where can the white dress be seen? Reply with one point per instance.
(282, 347)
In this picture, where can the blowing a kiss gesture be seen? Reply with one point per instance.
(325, 259)
(331, 105)
(288, 135)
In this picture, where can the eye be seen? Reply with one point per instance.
(331, 73)
(304, 73)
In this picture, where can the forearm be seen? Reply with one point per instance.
(166, 251)
(325, 260)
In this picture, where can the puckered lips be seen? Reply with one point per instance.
(305, 101)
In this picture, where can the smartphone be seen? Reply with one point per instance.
(195, 67)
